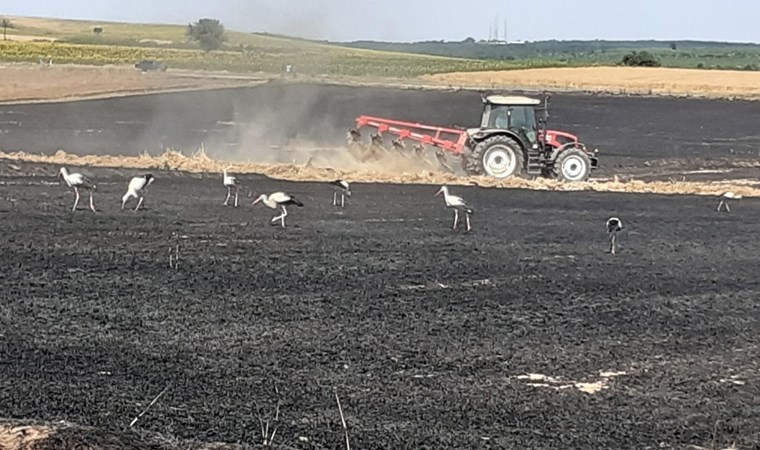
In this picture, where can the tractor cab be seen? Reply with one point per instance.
(513, 140)
(514, 113)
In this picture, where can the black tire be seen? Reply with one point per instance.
(572, 165)
(498, 156)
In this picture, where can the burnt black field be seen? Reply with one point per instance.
(422, 330)
(630, 132)
(426, 333)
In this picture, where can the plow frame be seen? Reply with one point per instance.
(450, 139)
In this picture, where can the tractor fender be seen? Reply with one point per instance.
(557, 150)
(480, 135)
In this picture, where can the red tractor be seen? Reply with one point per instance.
(511, 141)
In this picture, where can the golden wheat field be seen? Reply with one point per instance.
(632, 80)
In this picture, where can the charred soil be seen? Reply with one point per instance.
(429, 335)
(639, 136)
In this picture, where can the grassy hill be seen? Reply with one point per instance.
(73, 41)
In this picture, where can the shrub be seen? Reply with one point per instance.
(641, 59)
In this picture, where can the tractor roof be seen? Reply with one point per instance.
(512, 100)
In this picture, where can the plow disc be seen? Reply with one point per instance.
(375, 150)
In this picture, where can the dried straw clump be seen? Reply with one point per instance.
(200, 161)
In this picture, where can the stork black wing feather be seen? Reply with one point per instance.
(87, 183)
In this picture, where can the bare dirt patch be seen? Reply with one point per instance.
(19, 437)
(631, 80)
(29, 38)
(30, 82)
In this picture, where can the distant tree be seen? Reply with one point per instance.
(97, 30)
(5, 23)
(640, 59)
(469, 40)
(208, 33)
(673, 46)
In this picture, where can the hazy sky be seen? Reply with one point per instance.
(412, 20)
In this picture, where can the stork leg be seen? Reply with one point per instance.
(456, 218)
(283, 215)
(342, 200)
(139, 203)
(612, 244)
(127, 196)
(720, 205)
(237, 192)
(335, 198)
(229, 194)
(76, 199)
(92, 205)
(467, 219)
(728, 209)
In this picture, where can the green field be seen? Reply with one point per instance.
(676, 54)
(122, 43)
(127, 43)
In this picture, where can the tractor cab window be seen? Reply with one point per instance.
(518, 118)
(521, 117)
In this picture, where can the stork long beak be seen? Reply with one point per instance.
(256, 201)
(438, 193)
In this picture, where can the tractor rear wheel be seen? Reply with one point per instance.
(572, 165)
(498, 157)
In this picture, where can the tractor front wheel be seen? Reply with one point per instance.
(497, 156)
(572, 165)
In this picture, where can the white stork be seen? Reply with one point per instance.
(613, 226)
(78, 181)
(456, 203)
(275, 200)
(231, 182)
(342, 187)
(725, 197)
(136, 189)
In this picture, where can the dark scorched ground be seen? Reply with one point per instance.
(637, 136)
(422, 330)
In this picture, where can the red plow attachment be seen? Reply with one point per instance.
(449, 141)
